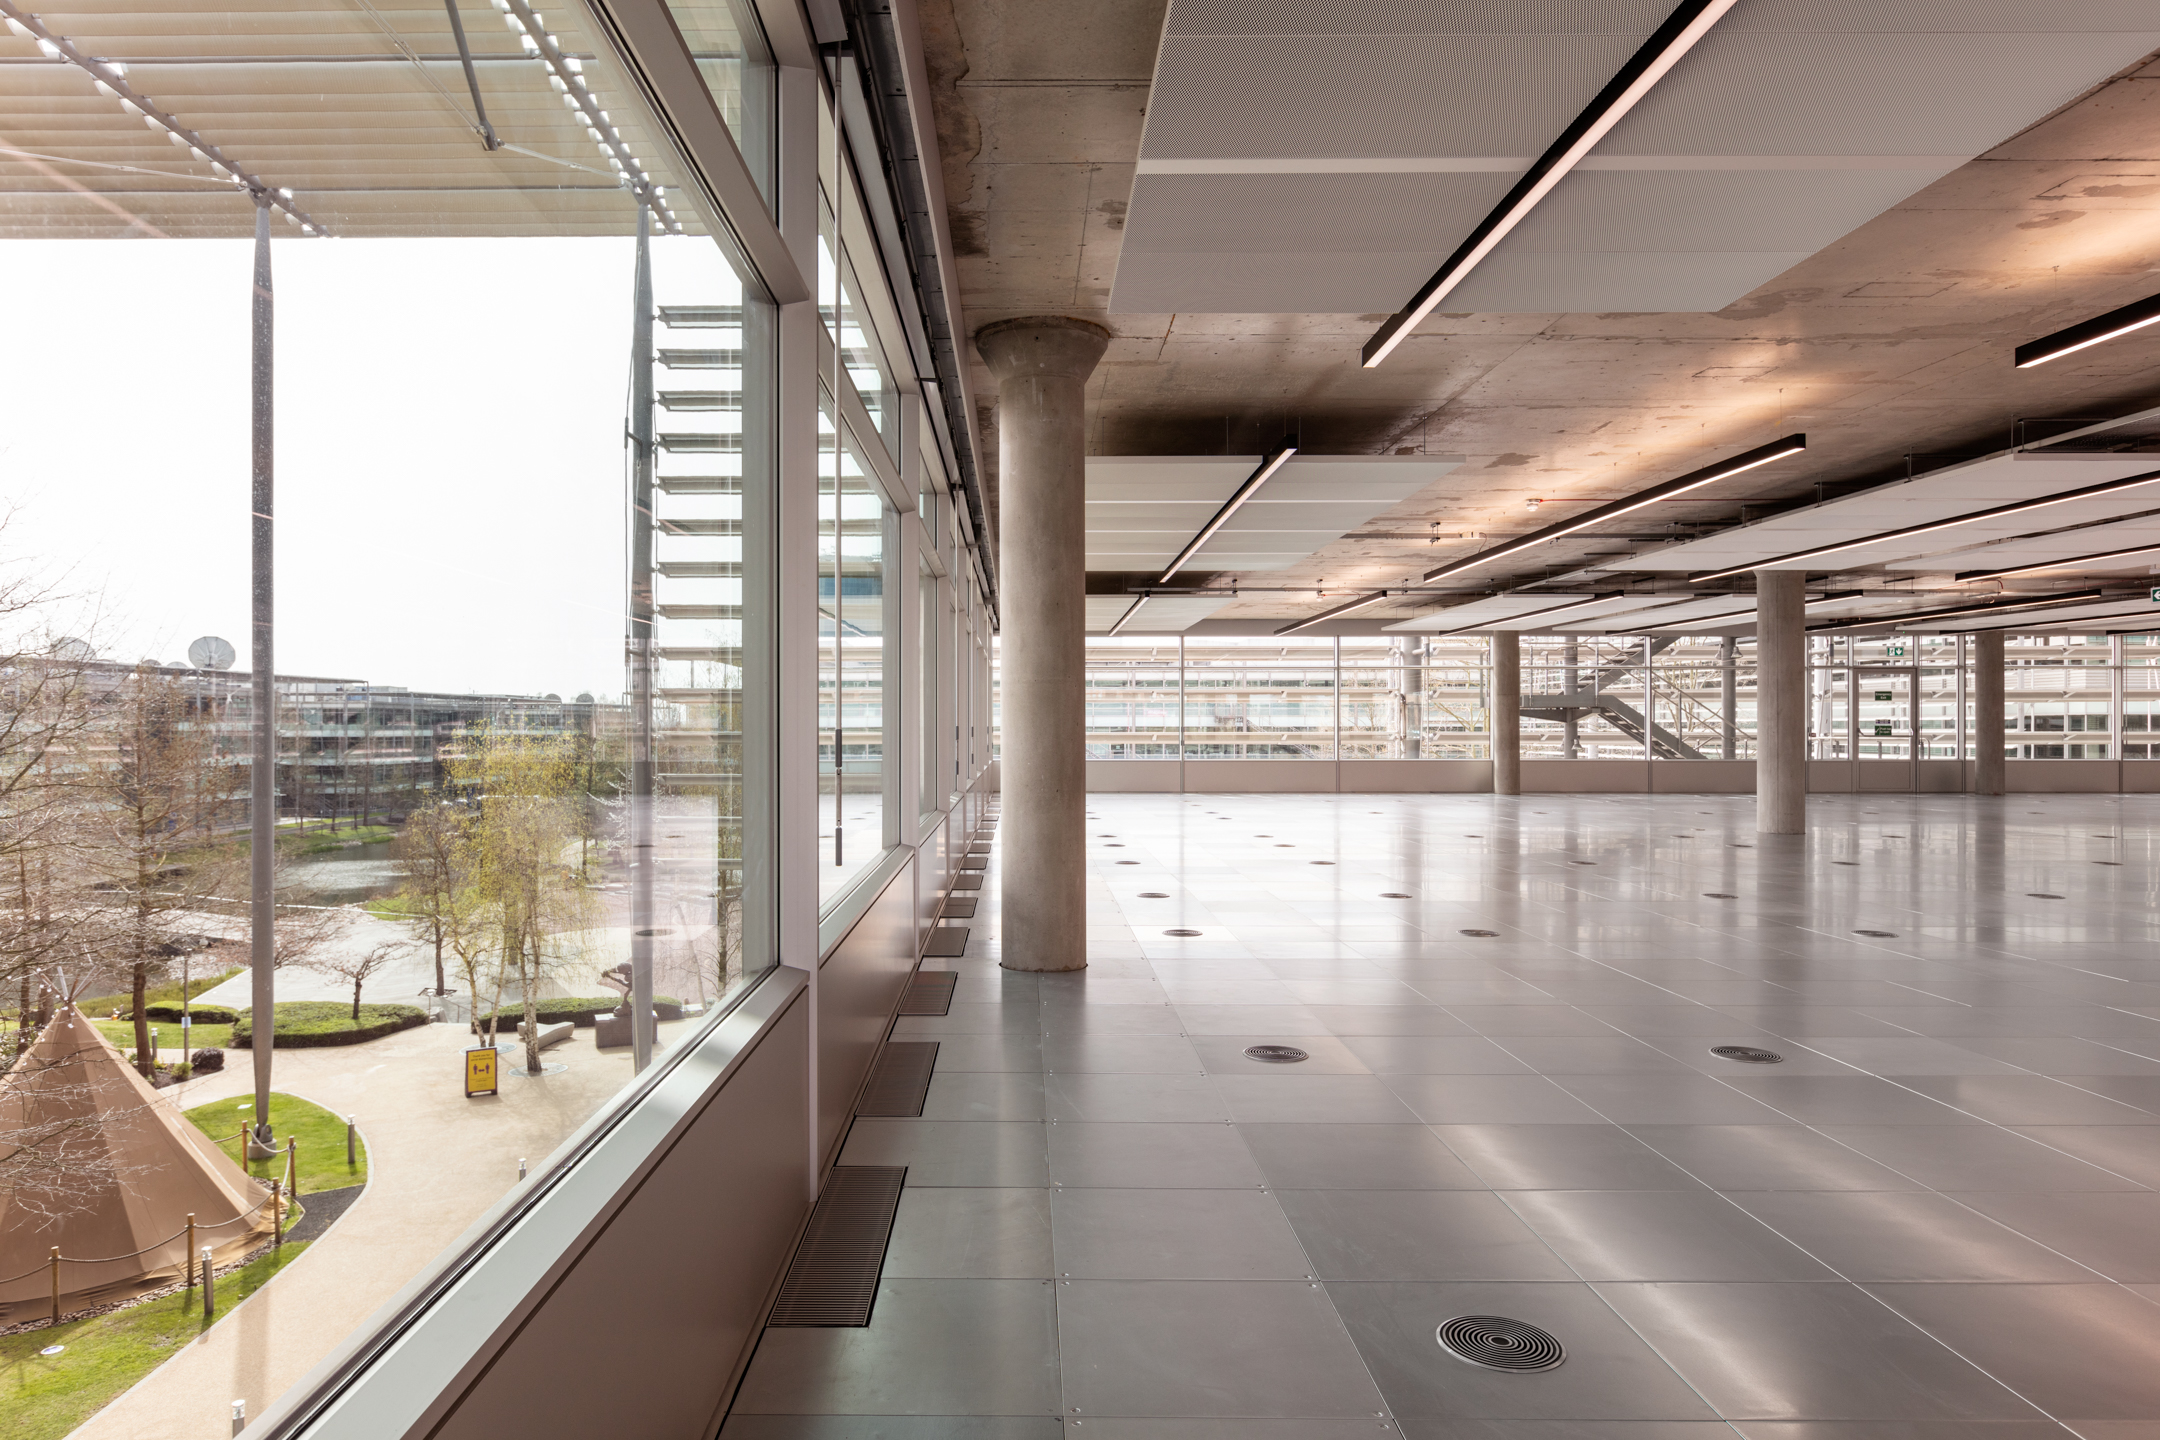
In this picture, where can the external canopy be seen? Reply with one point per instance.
(92, 1161)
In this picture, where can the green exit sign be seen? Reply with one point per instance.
(2156, 594)
(1883, 695)
(1882, 727)
(1896, 650)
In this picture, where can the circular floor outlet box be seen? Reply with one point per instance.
(1498, 1343)
(1482, 934)
(1181, 932)
(1276, 1054)
(1747, 1054)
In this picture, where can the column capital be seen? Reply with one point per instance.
(1060, 345)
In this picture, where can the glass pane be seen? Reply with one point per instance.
(729, 46)
(852, 532)
(1132, 699)
(1259, 699)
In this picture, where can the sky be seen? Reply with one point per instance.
(450, 466)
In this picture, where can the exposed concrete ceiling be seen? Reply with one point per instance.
(1892, 341)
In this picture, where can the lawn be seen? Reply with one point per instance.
(122, 1035)
(43, 1397)
(167, 993)
(324, 842)
(321, 1135)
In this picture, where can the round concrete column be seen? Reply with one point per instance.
(1506, 713)
(1042, 364)
(1780, 702)
(1988, 768)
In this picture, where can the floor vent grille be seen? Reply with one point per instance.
(1747, 1054)
(947, 942)
(900, 1080)
(968, 880)
(1498, 1343)
(929, 992)
(833, 1279)
(959, 907)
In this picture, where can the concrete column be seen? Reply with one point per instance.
(1988, 765)
(1780, 702)
(1042, 364)
(1506, 713)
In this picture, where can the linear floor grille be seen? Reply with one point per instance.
(833, 1279)
(929, 992)
(968, 880)
(947, 942)
(900, 1080)
(959, 907)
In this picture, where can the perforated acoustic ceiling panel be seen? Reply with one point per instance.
(1326, 155)
(1142, 510)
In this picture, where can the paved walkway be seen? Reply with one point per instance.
(437, 1162)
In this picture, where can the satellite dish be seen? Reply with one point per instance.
(211, 652)
(584, 697)
(67, 647)
(551, 695)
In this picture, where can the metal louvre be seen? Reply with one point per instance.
(326, 101)
(900, 1080)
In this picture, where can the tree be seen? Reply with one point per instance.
(159, 801)
(437, 894)
(523, 839)
(357, 967)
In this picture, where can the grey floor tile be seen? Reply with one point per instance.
(1906, 1430)
(1609, 1372)
(1172, 1054)
(1665, 1019)
(1434, 1055)
(1975, 1157)
(1248, 1020)
(1173, 1156)
(939, 1152)
(1095, 1021)
(1174, 1235)
(1659, 1235)
(983, 1095)
(2080, 1352)
(1846, 1100)
(1489, 1100)
(2116, 1234)
(1562, 1157)
(1679, 1099)
(1313, 1100)
(1573, 1430)
(964, 1233)
(933, 1347)
(1389, 1020)
(1768, 1157)
(1590, 1055)
(1808, 1352)
(1417, 1235)
(1167, 1348)
(1505, 1020)
(2064, 1057)
(1099, 1096)
(1326, 1055)
(998, 1051)
(892, 1427)
(2029, 1099)
(1909, 1235)
(2143, 1091)
(1243, 1428)
(1910, 1055)
(1090, 987)
(986, 1018)
(2125, 1150)
(1356, 1157)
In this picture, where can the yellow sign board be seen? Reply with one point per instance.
(480, 1071)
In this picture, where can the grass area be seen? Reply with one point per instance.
(321, 1135)
(122, 1035)
(390, 907)
(167, 993)
(323, 842)
(43, 1397)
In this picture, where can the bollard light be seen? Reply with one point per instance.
(521, 1167)
(209, 1285)
(239, 1416)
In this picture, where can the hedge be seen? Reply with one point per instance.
(204, 1014)
(577, 1009)
(302, 1024)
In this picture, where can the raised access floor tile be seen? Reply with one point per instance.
(1909, 1235)
(1417, 1235)
(1173, 1235)
(1659, 1235)
(2081, 1352)
(1562, 1157)
(1356, 1157)
(966, 1233)
(1138, 1154)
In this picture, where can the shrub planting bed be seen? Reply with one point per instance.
(302, 1024)
(577, 1009)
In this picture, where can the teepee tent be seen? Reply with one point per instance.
(93, 1162)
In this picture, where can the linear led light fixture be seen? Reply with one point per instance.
(2017, 507)
(566, 74)
(1693, 480)
(110, 77)
(2080, 622)
(2029, 602)
(2098, 330)
(2070, 564)
(1130, 611)
(1548, 612)
(1648, 65)
(1273, 461)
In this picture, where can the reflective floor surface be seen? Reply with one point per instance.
(1936, 1216)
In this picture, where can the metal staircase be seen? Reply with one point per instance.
(1573, 704)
